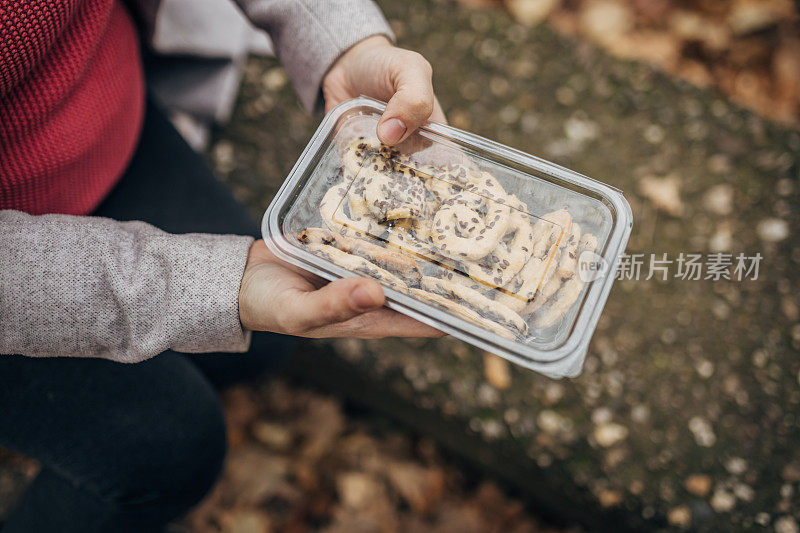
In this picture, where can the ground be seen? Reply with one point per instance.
(686, 412)
(299, 462)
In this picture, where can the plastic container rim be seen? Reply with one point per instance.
(583, 327)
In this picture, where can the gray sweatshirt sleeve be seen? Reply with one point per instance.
(94, 287)
(310, 35)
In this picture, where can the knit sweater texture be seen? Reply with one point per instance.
(71, 102)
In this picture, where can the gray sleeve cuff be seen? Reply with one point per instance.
(310, 35)
(208, 302)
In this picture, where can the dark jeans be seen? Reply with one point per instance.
(131, 447)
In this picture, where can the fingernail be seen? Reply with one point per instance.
(362, 299)
(391, 131)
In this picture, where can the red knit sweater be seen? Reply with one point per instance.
(71, 102)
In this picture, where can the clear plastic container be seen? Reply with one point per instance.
(501, 249)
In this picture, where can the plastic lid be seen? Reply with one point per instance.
(499, 248)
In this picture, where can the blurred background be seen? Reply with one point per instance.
(686, 415)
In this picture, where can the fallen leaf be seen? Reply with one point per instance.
(422, 488)
(698, 484)
(748, 16)
(252, 476)
(358, 490)
(245, 521)
(531, 12)
(275, 436)
(497, 371)
(605, 20)
(664, 193)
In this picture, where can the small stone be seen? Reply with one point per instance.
(762, 519)
(705, 368)
(602, 415)
(531, 12)
(721, 310)
(720, 164)
(736, 466)
(786, 524)
(553, 392)
(722, 239)
(640, 414)
(492, 429)
(498, 86)
(580, 130)
(702, 431)
(744, 492)
(719, 199)
(551, 422)
(609, 434)
(680, 517)
(784, 187)
(698, 484)
(773, 229)
(566, 95)
(487, 395)
(723, 501)
(791, 471)
(654, 134)
(790, 309)
(664, 193)
(497, 371)
(509, 114)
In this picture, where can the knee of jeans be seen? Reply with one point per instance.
(175, 463)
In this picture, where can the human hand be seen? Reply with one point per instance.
(278, 297)
(376, 68)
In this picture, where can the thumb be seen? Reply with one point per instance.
(336, 302)
(413, 100)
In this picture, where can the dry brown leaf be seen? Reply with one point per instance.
(656, 47)
(322, 423)
(605, 20)
(692, 26)
(422, 488)
(359, 490)
(698, 484)
(531, 12)
(245, 521)
(276, 436)
(663, 193)
(252, 476)
(497, 371)
(748, 16)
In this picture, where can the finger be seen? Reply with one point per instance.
(438, 114)
(337, 301)
(413, 100)
(378, 324)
